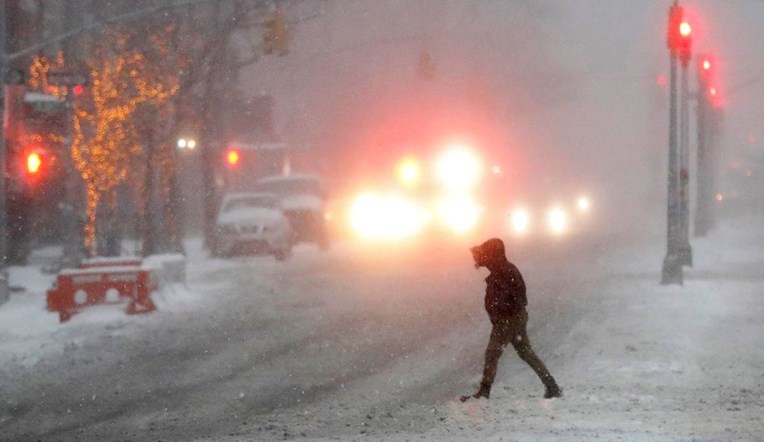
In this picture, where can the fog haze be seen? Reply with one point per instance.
(572, 86)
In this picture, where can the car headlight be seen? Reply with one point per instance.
(557, 220)
(459, 213)
(583, 204)
(386, 217)
(520, 221)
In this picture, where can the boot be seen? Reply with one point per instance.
(552, 390)
(483, 391)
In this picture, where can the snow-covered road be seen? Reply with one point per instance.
(352, 346)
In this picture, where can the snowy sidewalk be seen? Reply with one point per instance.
(29, 333)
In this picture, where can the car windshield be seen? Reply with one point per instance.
(301, 186)
(250, 202)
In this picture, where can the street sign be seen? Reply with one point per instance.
(44, 103)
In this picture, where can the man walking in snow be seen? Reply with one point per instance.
(506, 305)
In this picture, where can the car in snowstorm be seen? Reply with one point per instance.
(459, 192)
(547, 217)
(303, 199)
(252, 223)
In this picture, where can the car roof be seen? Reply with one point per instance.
(292, 177)
(237, 195)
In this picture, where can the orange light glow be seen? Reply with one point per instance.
(706, 65)
(232, 157)
(33, 162)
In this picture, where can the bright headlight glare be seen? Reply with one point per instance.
(557, 220)
(583, 204)
(458, 168)
(460, 214)
(409, 171)
(386, 217)
(520, 220)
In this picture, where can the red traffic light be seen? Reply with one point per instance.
(34, 161)
(684, 46)
(673, 27)
(707, 68)
(679, 35)
(715, 96)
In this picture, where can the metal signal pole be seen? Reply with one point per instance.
(704, 192)
(3, 210)
(686, 254)
(672, 268)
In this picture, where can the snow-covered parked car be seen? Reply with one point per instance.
(304, 201)
(252, 222)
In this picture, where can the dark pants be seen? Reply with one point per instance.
(512, 330)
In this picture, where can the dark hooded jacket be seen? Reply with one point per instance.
(505, 288)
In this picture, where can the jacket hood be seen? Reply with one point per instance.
(489, 254)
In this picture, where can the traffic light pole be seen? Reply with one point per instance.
(703, 186)
(672, 269)
(3, 210)
(685, 252)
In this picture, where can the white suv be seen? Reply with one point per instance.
(252, 222)
(303, 199)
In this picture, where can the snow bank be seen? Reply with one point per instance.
(28, 332)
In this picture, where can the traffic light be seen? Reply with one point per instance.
(679, 36)
(232, 158)
(685, 42)
(707, 76)
(673, 28)
(33, 163)
(36, 166)
(275, 34)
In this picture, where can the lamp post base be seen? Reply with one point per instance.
(686, 255)
(672, 270)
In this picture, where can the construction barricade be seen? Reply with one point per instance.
(102, 283)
